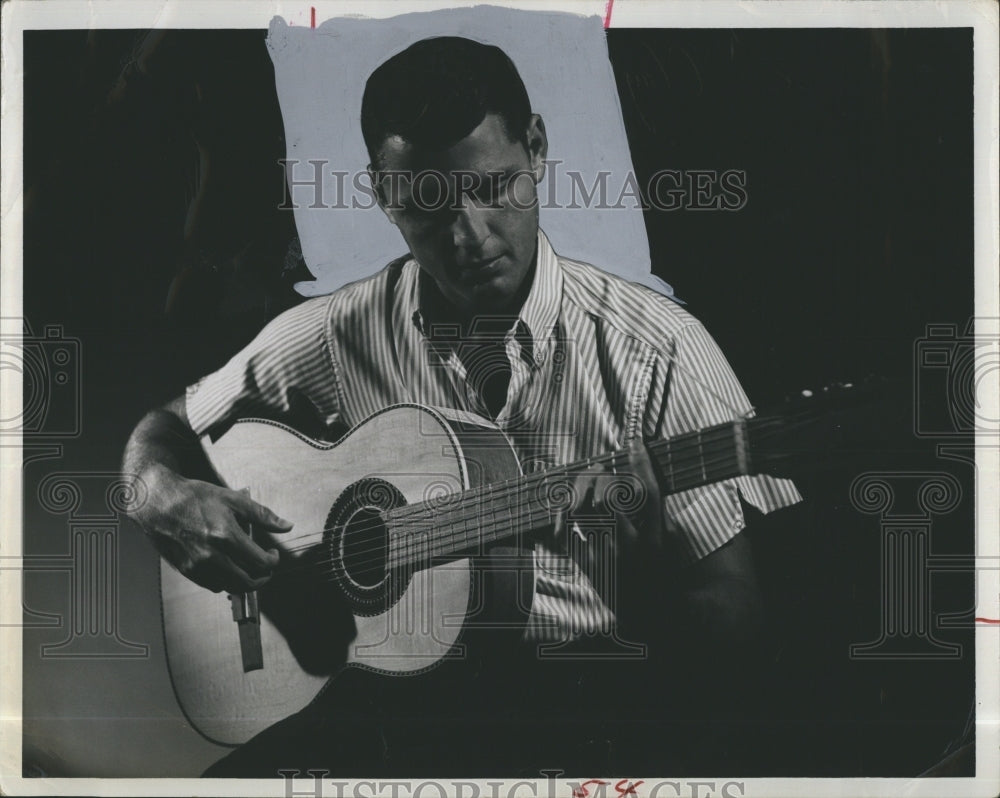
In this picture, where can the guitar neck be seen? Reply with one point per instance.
(460, 524)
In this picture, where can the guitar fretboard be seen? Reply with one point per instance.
(462, 523)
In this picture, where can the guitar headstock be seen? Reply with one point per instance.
(816, 424)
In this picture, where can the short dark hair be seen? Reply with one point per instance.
(437, 91)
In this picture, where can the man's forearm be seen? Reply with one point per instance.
(163, 439)
(198, 525)
(713, 646)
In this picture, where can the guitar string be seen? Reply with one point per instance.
(448, 539)
(564, 470)
(486, 531)
(486, 528)
(403, 512)
(444, 543)
(516, 485)
(677, 446)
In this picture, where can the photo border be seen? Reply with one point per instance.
(57, 14)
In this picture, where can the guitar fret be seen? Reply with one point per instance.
(701, 457)
(670, 468)
(511, 524)
(487, 513)
(491, 504)
(488, 530)
(739, 439)
(531, 510)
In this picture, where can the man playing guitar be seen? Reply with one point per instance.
(570, 362)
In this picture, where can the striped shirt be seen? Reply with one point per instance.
(595, 363)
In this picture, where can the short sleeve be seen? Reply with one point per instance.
(288, 369)
(692, 388)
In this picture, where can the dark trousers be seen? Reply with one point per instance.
(514, 716)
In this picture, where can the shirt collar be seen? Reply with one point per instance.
(540, 311)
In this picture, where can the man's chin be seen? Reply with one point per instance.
(492, 271)
(490, 297)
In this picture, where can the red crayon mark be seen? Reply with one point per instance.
(312, 10)
(622, 787)
(987, 620)
(607, 14)
(582, 792)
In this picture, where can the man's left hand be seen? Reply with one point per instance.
(612, 524)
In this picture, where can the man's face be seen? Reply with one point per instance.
(469, 213)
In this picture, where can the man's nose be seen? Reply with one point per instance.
(469, 229)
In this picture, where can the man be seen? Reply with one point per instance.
(481, 316)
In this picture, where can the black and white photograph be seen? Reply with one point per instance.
(572, 399)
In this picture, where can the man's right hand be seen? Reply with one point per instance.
(201, 529)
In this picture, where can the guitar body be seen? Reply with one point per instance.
(334, 602)
(406, 549)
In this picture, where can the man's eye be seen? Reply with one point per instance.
(495, 191)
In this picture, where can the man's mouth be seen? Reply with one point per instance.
(480, 268)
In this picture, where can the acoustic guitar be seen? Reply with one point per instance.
(412, 530)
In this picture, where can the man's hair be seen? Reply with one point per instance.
(437, 91)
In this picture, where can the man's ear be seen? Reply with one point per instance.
(379, 191)
(538, 145)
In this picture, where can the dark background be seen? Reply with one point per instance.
(857, 234)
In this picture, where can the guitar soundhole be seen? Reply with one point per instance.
(358, 543)
(364, 548)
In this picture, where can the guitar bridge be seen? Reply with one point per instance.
(246, 613)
